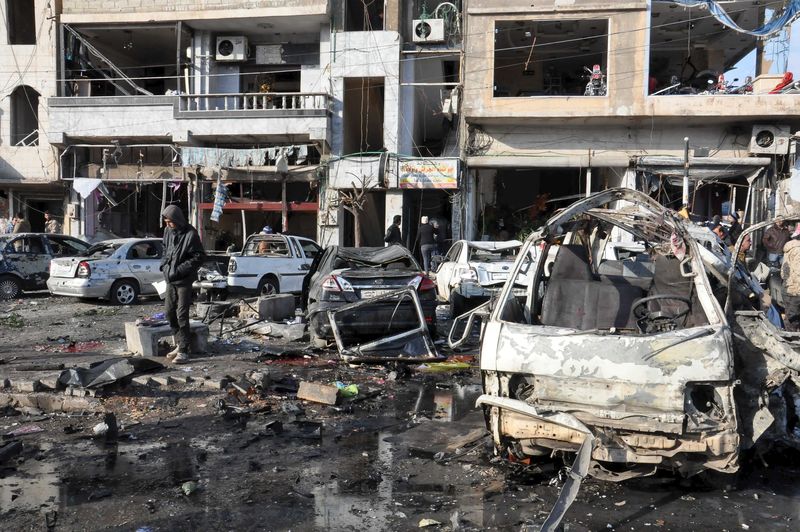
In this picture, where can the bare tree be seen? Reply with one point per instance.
(353, 201)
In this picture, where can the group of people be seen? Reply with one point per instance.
(20, 224)
(431, 239)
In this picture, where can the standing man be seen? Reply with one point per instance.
(21, 225)
(790, 271)
(393, 234)
(427, 242)
(51, 225)
(183, 256)
(775, 238)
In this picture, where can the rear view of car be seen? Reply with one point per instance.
(118, 270)
(347, 275)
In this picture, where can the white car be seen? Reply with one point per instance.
(271, 264)
(472, 271)
(118, 270)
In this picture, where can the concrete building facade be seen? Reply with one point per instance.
(28, 165)
(537, 136)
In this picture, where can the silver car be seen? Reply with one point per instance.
(118, 270)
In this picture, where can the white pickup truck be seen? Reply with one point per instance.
(271, 264)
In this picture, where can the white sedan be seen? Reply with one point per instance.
(118, 270)
(472, 271)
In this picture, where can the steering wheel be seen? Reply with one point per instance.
(658, 320)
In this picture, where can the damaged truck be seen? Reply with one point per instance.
(662, 359)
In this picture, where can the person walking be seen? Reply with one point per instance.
(775, 238)
(183, 256)
(790, 272)
(51, 225)
(393, 234)
(21, 225)
(427, 242)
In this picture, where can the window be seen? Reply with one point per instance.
(21, 22)
(26, 244)
(266, 247)
(363, 114)
(145, 250)
(363, 15)
(455, 251)
(310, 249)
(24, 116)
(66, 247)
(550, 58)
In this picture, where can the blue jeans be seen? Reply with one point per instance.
(427, 253)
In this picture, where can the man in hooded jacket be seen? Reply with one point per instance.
(183, 256)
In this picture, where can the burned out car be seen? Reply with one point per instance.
(645, 362)
(341, 276)
(25, 260)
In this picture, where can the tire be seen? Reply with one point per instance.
(458, 305)
(268, 287)
(10, 287)
(124, 292)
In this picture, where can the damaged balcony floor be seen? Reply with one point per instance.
(406, 452)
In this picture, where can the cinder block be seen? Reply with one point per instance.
(318, 393)
(162, 380)
(143, 339)
(27, 386)
(277, 307)
(142, 380)
(50, 383)
(216, 383)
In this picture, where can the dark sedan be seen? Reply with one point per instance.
(343, 275)
(25, 260)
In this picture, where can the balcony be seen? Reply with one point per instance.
(145, 10)
(267, 117)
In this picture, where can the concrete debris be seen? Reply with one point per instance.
(107, 372)
(318, 393)
(10, 450)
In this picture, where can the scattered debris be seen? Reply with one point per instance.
(318, 393)
(189, 487)
(25, 430)
(107, 372)
(424, 523)
(10, 450)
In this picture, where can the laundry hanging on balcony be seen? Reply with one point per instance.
(790, 12)
(222, 157)
(219, 201)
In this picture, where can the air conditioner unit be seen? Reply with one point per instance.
(772, 140)
(231, 48)
(430, 30)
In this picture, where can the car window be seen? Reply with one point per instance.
(274, 248)
(492, 255)
(144, 250)
(311, 249)
(103, 249)
(66, 247)
(452, 255)
(26, 244)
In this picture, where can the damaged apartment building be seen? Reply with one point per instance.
(190, 104)
(561, 99)
(317, 118)
(395, 75)
(28, 165)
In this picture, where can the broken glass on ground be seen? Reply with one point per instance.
(405, 337)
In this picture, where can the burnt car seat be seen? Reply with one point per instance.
(667, 280)
(577, 298)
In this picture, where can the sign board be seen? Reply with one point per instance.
(428, 173)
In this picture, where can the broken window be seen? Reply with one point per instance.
(21, 22)
(692, 51)
(550, 58)
(24, 116)
(363, 15)
(363, 115)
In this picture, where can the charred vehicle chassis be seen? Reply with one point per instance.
(636, 359)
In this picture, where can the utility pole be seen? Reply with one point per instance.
(686, 173)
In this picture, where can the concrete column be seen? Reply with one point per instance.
(407, 114)
(394, 206)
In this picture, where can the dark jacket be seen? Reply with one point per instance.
(393, 235)
(427, 235)
(183, 251)
(775, 238)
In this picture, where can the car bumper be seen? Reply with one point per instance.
(79, 287)
(371, 322)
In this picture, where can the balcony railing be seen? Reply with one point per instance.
(254, 101)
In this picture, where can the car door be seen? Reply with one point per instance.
(143, 260)
(293, 268)
(28, 256)
(444, 275)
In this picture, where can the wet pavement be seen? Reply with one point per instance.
(387, 461)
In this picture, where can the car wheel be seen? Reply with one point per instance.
(458, 305)
(10, 287)
(124, 292)
(268, 287)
